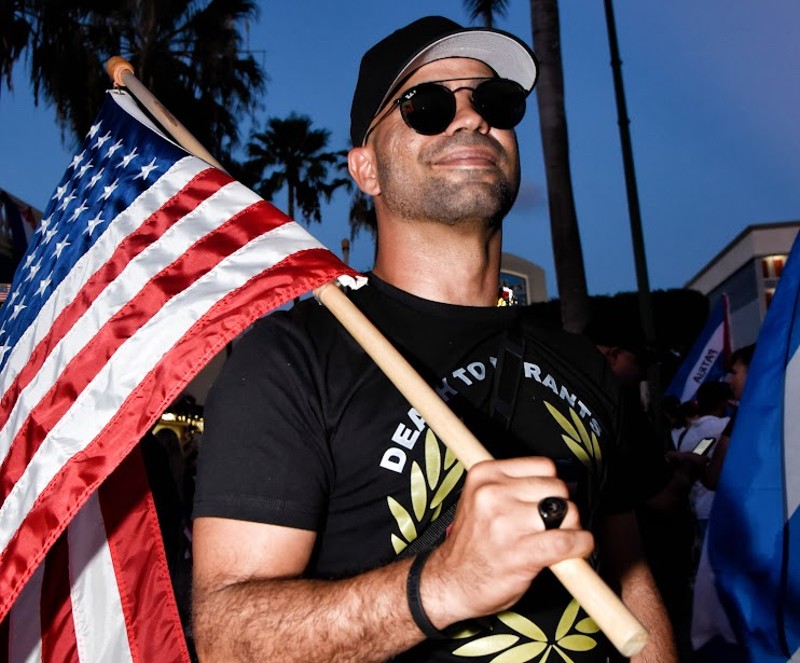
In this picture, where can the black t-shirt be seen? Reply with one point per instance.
(304, 430)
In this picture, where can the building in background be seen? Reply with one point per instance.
(525, 279)
(747, 270)
(18, 220)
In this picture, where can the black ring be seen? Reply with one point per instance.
(552, 510)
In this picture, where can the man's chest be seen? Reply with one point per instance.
(388, 458)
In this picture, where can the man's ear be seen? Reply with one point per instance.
(361, 164)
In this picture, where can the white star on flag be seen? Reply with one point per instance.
(79, 210)
(60, 246)
(92, 224)
(114, 148)
(144, 173)
(108, 190)
(77, 159)
(128, 158)
(95, 178)
(43, 285)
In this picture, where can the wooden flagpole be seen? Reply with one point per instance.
(121, 72)
(624, 631)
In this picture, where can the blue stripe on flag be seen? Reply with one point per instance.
(754, 531)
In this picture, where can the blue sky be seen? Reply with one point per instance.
(712, 92)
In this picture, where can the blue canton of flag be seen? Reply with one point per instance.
(754, 530)
(99, 183)
(706, 361)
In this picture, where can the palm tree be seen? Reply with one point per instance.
(486, 10)
(14, 34)
(294, 156)
(567, 252)
(189, 53)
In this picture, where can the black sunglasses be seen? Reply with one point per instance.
(429, 108)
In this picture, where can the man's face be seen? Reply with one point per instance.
(468, 173)
(736, 379)
(624, 365)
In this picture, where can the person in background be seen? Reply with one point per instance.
(713, 399)
(740, 364)
(672, 413)
(665, 518)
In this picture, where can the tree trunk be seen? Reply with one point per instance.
(568, 257)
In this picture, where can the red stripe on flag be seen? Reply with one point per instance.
(300, 272)
(58, 630)
(140, 565)
(200, 188)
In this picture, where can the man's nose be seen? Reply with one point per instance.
(466, 117)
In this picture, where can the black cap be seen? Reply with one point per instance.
(387, 64)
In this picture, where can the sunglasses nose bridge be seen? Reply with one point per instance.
(466, 115)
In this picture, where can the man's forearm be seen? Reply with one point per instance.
(639, 593)
(624, 567)
(365, 618)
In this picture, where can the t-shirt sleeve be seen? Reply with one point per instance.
(264, 455)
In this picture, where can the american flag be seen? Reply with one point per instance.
(147, 261)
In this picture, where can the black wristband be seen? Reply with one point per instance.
(415, 601)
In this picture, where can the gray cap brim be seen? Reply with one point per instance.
(504, 54)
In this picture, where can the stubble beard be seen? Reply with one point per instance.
(444, 199)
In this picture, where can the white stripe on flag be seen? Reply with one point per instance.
(103, 396)
(791, 434)
(696, 375)
(96, 605)
(25, 624)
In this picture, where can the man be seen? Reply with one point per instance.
(316, 476)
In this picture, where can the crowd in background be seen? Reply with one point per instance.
(694, 435)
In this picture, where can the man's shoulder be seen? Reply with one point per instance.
(556, 337)
(573, 350)
(285, 338)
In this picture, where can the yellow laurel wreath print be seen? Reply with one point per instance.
(529, 641)
(428, 490)
(581, 442)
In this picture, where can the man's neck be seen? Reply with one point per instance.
(442, 263)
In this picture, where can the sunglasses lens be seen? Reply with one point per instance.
(428, 108)
(500, 102)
